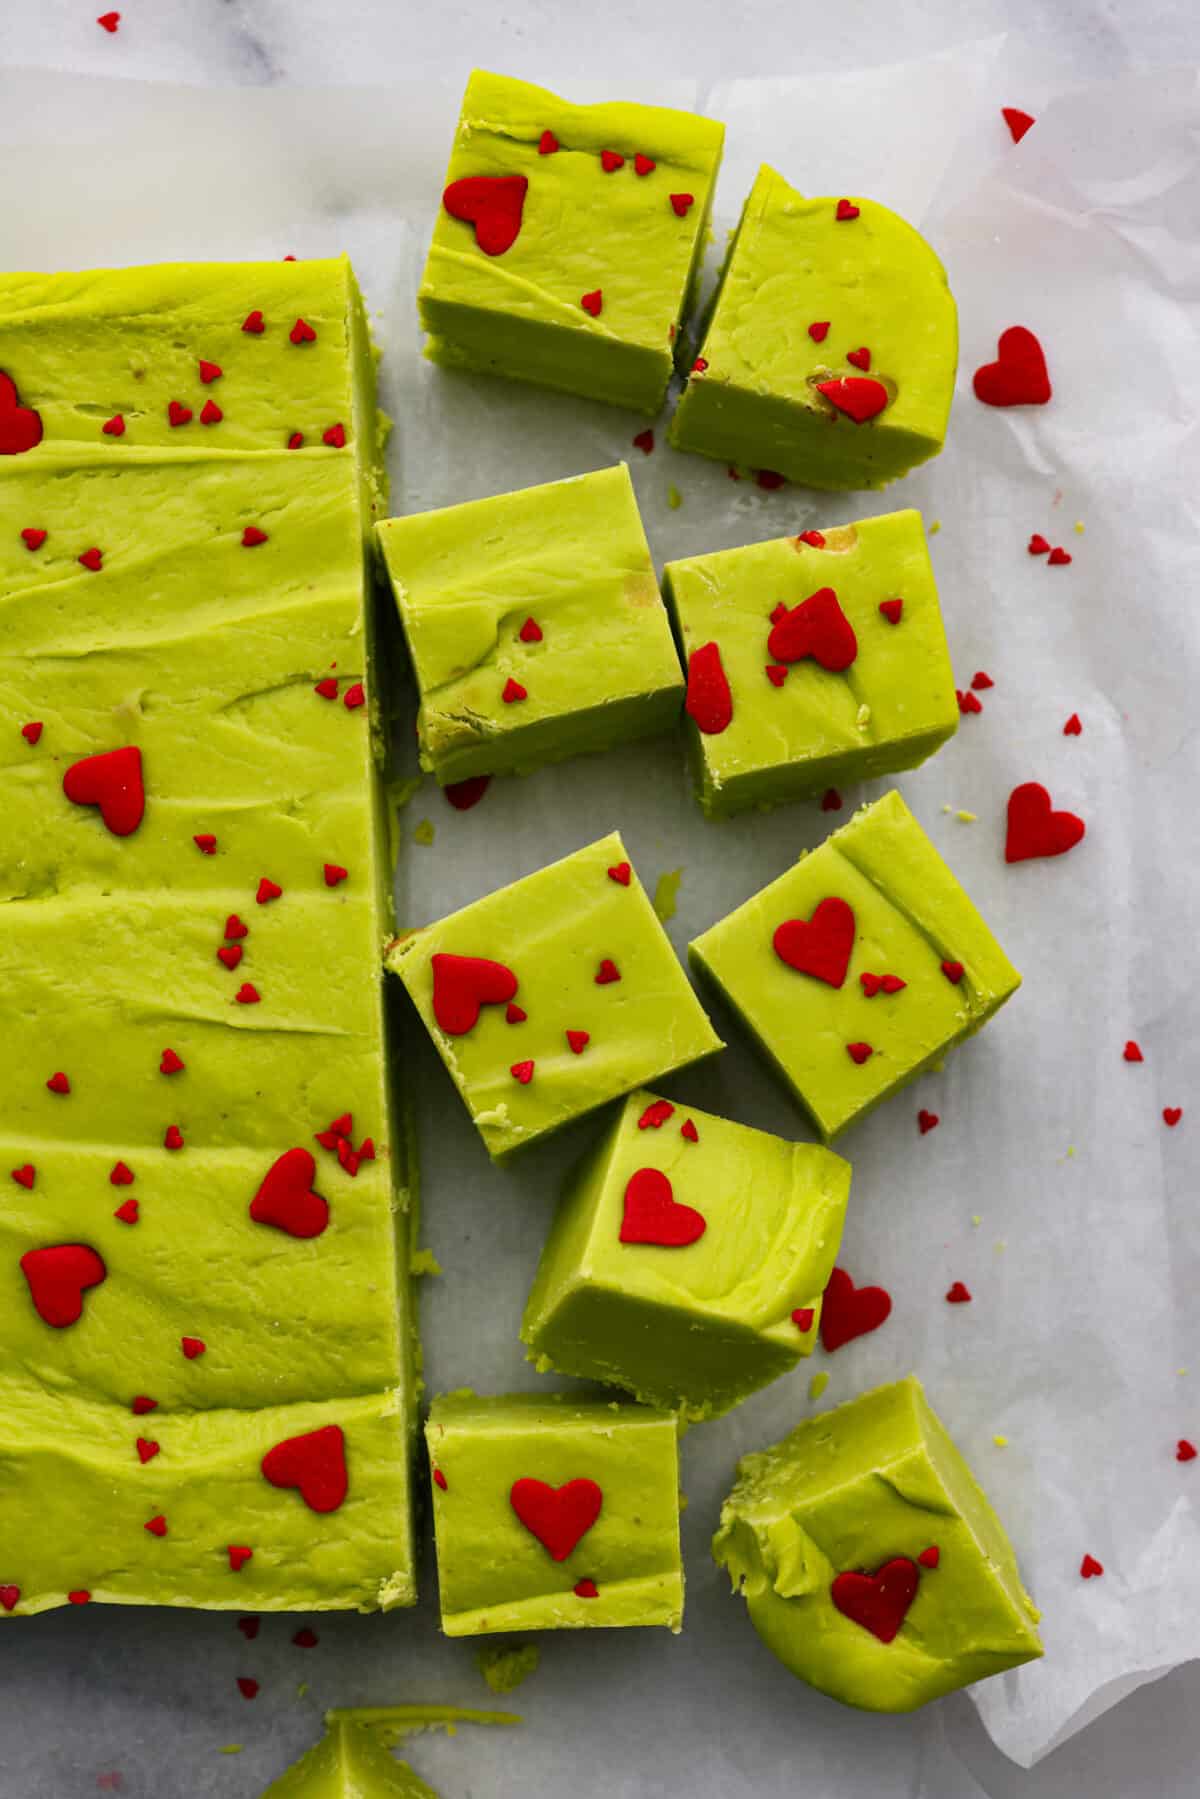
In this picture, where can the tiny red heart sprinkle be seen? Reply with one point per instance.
(209, 371)
(9, 1597)
(246, 1687)
(523, 1072)
(814, 539)
(303, 333)
(849, 1311)
(92, 559)
(819, 331)
(230, 954)
(861, 359)
(846, 211)
(644, 165)
(253, 323)
(515, 1014)
(1038, 545)
(1073, 726)
(171, 1063)
(655, 1115)
(593, 302)
(239, 1555)
(173, 1138)
(817, 627)
(462, 795)
(286, 1199)
(114, 427)
(306, 1638)
(610, 161)
(586, 1589)
(334, 436)
(1035, 828)
(354, 697)
(709, 702)
(958, 1295)
(1132, 1052)
(559, 1517)
(327, 688)
(819, 946)
(58, 1276)
(314, 1464)
(1018, 122)
(531, 631)
(192, 1347)
(58, 1083)
(1018, 377)
(769, 480)
(235, 928)
(891, 983)
(464, 984)
(653, 1215)
(1185, 1451)
(644, 441)
(33, 538)
(621, 873)
(109, 21)
(929, 1558)
(981, 681)
(776, 675)
(141, 1405)
(206, 843)
(1058, 557)
(953, 971)
(607, 973)
(32, 732)
(122, 1175)
(803, 1319)
(579, 1041)
(877, 1601)
(334, 874)
(968, 701)
(547, 144)
(891, 610)
(831, 800)
(1089, 1567)
(1172, 1115)
(247, 994)
(252, 537)
(178, 414)
(20, 426)
(927, 1121)
(267, 890)
(688, 1131)
(295, 441)
(859, 1052)
(210, 413)
(25, 1176)
(513, 692)
(156, 1526)
(681, 204)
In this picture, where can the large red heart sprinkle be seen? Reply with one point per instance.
(1018, 122)
(25, 1176)
(33, 538)
(547, 144)
(958, 1295)
(523, 1072)
(462, 984)
(302, 332)
(1035, 828)
(851, 1311)
(9, 1597)
(611, 160)
(1018, 377)
(821, 945)
(643, 165)
(1089, 1567)
(860, 397)
(193, 1347)
(58, 1278)
(20, 426)
(58, 1083)
(681, 204)
(147, 1449)
(593, 303)
(819, 331)
(621, 873)
(817, 627)
(493, 204)
(462, 795)
(655, 1115)
(92, 560)
(861, 359)
(846, 211)
(559, 1517)
(709, 702)
(286, 1198)
(239, 1555)
(170, 1063)
(878, 1601)
(653, 1215)
(927, 1121)
(114, 427)
(315, 1464)
(113, 782)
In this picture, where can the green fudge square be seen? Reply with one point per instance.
(535, 626)
(688, 1258)
(569, 241)
(553, 995)
(870, 1561)
(553, 1513)
(831, 346)
(810, 704)
(860, 967)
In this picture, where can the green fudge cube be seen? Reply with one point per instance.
(554, 995)
(872, 1564)
(688, 1258)
(860, 967)
(554, 1513)
(831, 347)
(854, 683)
(535, 626)
(569, 241)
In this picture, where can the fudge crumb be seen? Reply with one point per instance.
(1079, 526)
(424, 832)
(230, 1749)
(863, 717)
(935, 526)
(674, 497)
(818, 1384)
(423, 1262)
(1000, 1442)
(666, 894)
(966, 818)
(504, 1667)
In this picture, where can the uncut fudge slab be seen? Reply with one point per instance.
(569, 240)
(871, 1563)
(205, 1328)
(831, 346)
(860, 967)
(688, 1258)
(535, 626)
(554, 995)
(554, 1513)
(833, 657)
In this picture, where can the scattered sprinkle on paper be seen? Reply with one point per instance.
(666, 893)
(423, 1262)
(1000, 1442)
(424, 832)
(934, 527)
(966, 818)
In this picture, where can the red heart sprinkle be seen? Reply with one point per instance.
(25, 1176)
(831, 800)
(462, 984)
(493, 204)
(846, 211)
(611, 160)
(32, 537)
(252, 537)
(513, 691)
(859, 397)
(819, 946)
(547, 144)
(981, 681)
(953, 971)
(1132, 1052)
(709, 701)
(306, 1638)
(246, 1687)
(286, 1199)
(295, 441)
(439, 1479)
(92, 559)
(1058, 557)
(253, 323)
(607, 973)
(891, 983)
(959, 1295)
(170, 1063)
(247, 994)
(775, 675)
(531, 631)
(231, 954)
(621, 873)
(871, 984)
(315, 1464)
(819, 331)
(968, 702)
(681, 204)
(20, 426)
(141, 1405)
(593, 303)
(860, 358)
(173, 1138)
(688, 1130)
(851, 1311)
(653, 1215)
(462, 795)
(1035, 829)
(156, 1526)
(515, 1014)
(523, 1072)
(209, 371)
(579, 1041)
(769, 479)
(9, 1597)
(178, 414)
(303, 333)
(267, 890)
(347, 1159)
(559, 1517)
(859, 1052)
(58, 1277)
(355, 697)
(210, 413)
(1038, 545)
(1073, 726)
(1018, 122)
(927, 1121)
(334, 436)
(878, 1601)
(239, 1555)
(814, 539)
(343, 1125)
(1018, 377)
(206, 843)
(58, 1083)
(192, 1347)
(644, 441)
(586, 1589)
(32, 732)
(147, 1449)
(327, 688)
(235, 928)
(1184, 1452)
(929, 1558)
(80, 1596)
(891, 610)
(122, 1175)
(114, 427)
(335, 874)
(803, 1319)
(655, 1115)
(1089, 1567)
(1172, 1115)
(817, 627)
(643, 165)
(109, 21)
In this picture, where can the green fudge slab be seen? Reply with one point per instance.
(831, 346)
(688, 1258)
(352, 1759)
(796, 724)
(535, 626)
(860, 967)
(871, 1562)
(205, 1252)
(553, 1513)
(576, 247)
(571, 996)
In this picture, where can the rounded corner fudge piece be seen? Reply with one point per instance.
(870, 1561)
(552, 1512)
(568, 245)
(834, 652)
(687, 1258)
(831, 345)
(860, 967)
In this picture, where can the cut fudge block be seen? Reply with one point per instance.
(860, 967)
(535, 626)
(871, 1563)
(554, 1513)
(553, 995)
(205, 1256)
(833, 654)
(569, 240)
(831, 348)
(688, 1258)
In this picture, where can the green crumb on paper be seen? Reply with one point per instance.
(230, 1749)
(422, 1262)
(1000, 1442)
(400, 792)
(1079, 526)
(302, 1690)
(674, 497)
(947, 807)
(935, 527)
(424, 832)
(977, 1219)
(818, 1383)
(1070, 1151)
(504, 1667)
(966, 818)
(666, 893)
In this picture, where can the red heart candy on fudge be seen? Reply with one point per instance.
(709, 702)
(1035, 828)
(58, 1278)
(20, 426)
(286, 1198)
(820, 945)
(817, 627)
(1019, 376)
(653, 1214)
(860, 397)
(462, 985)
(315, 1464)
(493, 204)
(849, 1311)
(557, 1516)
(878, 1601)
(113, 782)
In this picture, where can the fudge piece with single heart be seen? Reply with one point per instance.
(535, 626)
(860, 967)
(830, 348)
(834, 654)
(568, 244)
(592, 1004)
(554, 1512)
(870, 1561)
(687, 1259)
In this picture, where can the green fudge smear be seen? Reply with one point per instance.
(850, 1490)
(352, 1761)
(878, 286)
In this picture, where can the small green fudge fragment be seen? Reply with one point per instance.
(506, 1665)
(576, 250)
(554, 995)
(860, 967)
(812, 1524)
(823, 294)
(554, 1513)
(352, 1761)
(689, 1267)
(799, 726)
(535, 626)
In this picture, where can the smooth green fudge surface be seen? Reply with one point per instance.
(569, 240)
(830, 353)
(535, 626)
(870, 1561)
(554, 1513)
(860, 967)
(553, 995)
(205, 1336)
(803, 717)
(688, 1258)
